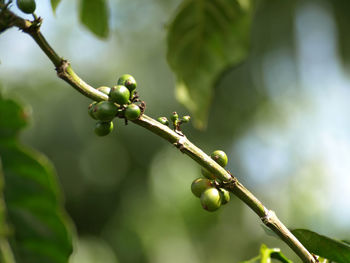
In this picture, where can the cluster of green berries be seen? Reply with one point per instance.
(121, 103)
(207, 189)
(175, 120)
(26, 6)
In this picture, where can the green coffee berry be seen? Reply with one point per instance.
(104, 89)
(105, 111)
(185, 119)
(91, 110)
(207, 174)
(174, 117)
(163, 120)
(128, 81)
(225, 196)
(132, 112)
(26, 6)
(211, 199)
(199, 185)
(103, 128)
(119, 94)
(220, 157)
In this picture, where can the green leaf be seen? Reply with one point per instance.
(35, 212)
(204, 39)
(266, 254)
(6, 254)
(54, 4)
(332, 249)
(94, 15)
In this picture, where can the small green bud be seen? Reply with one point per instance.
(104, 89)
(163, 120)
(103, 128)
(91, 110)
(119, 94)
(199, 185)
(174, 117)
(207, 174)
(225, 196)
(26, 6)
(128, 81)
(132, 112)
(211, 199)
(220, 157)
(186, 119)
(105, 111)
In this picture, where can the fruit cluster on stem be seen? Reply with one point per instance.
(121, 103)
(208, 189)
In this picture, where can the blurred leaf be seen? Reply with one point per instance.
(341, 14)
(204, 39)
(323, 246)
(266, 254)
(6, 254)
(94, 15)
(35, 214)
(54, 4)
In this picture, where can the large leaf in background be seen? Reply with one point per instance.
(266, 254)
(6, 254)
(323, 246)
(32, 197)
(95, 16)
(54, 4)
(205, 38)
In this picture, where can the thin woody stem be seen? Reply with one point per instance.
(65, 72)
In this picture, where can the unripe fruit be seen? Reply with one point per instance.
(132, 112)
(105, 111)
(220, 157)
(225, 196)
(185, 119)
(119, 94)
(128, 81)
(199, 185)
(174, 117)
(104, 89)
(163, 120)
(91, 110)
(211, 199)
(207, 174)
(103, 128)
(26, 6)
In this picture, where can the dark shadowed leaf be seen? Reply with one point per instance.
(54, 4)
(332, 249)
(38, 224)
(205, 38)
(94, 15)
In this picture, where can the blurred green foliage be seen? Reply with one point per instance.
(38, 230)
(204, 39)
(281, 116)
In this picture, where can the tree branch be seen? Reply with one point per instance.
(65, 72)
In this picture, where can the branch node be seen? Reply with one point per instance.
(269, 217)
(180, 144)
(62, 69)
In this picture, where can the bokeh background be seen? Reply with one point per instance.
(281, 116)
